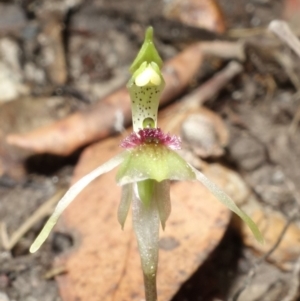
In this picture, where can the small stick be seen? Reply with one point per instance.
(293, 291)
(224, 49)
(56, 271)
(44, 210)
(257, 263)
(295, 122)
(284, 32)
(206, 91)
(213, 86)
(246, 32)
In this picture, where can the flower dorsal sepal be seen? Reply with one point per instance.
(146, 84)
(147, 53)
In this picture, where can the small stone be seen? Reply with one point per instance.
(200, 132)
(3, 297)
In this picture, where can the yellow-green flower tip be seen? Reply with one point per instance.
(147, 53)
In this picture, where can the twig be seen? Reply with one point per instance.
(283, 31)
(294, 124)
(295, 282)
(58, 270)
(294, 286)
(44, 210)
(287, 64)
(292, 188)
(246, 32)
(258, 262)
(224, 49)
(206, 91)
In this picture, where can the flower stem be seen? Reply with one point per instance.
(150, 287)
(146, 227)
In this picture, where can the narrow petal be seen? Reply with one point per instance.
(71, 195)
(228, 202)
(163, 201)
(145, 189)
(124, 204)
(146, 227)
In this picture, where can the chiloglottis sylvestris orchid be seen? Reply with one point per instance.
(146, 166)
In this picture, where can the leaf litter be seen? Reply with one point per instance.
(247, 113)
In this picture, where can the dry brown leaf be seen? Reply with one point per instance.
(106, 116)
(291, 10)
(17, 116)
(270, 222)
(105, 264)
(198, 13)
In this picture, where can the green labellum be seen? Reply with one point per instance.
(153, 161)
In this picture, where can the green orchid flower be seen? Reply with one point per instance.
(146, 167)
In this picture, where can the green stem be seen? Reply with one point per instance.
(146, 227)
(150, 287)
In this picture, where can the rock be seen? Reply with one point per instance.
(12, 18)
(205, 133)
(3, 297)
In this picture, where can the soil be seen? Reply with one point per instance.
(100, 39)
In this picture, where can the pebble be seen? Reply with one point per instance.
(3, 297)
